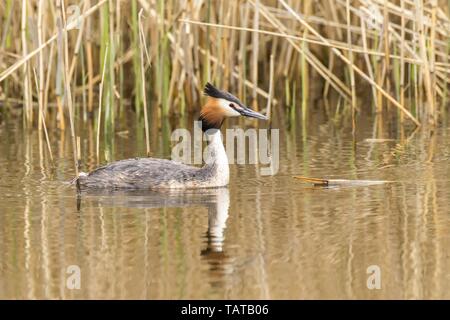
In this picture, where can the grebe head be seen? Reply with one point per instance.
(221, 105)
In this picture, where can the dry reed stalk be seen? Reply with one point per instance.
(247, 83)
(386, 79)
(118, 33)
(174, 75)
(47, 81)
(287, 51)
(359, 71)
(89, 62)
(414, 72)
(393, 27)
(334, 14)
(228, 45)
(7, 29)
(434, 87)
(68, 93)
(425, 64)
(331, 11)
(305, 68)
(26, 74)
(111, 78)
(335, 82)
(367, 60)
(235, 73)
(207, 67)
(231, 52)
(242, 51)
(326, 87)
(386, 34)
(144, 98)
(330, 44)
(77, 45)
(395, 9)
(41, 66)
(78, 150)
(41, 116)
(31, 54)
(255, 47)
(402, 59)
(352, 73)
(214, 42)
(233, 43)
(100, 103)
(60, 65)
(269, 100)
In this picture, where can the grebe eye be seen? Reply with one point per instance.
(232, 105)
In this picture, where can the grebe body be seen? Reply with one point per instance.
(151, 173)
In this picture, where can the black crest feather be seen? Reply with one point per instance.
(212, 91)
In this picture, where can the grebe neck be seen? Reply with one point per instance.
(216, 159)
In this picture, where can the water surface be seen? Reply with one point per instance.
(262, 237)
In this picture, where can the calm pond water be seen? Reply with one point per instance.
(262, 237)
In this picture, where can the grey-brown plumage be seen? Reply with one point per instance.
(147, 173)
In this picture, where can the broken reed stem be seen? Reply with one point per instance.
(100, 102)
(144, 99)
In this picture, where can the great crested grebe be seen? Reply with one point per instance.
(150, 173)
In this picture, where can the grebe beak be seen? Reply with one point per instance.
(247, 112)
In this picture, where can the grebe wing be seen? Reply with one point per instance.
(138, 173)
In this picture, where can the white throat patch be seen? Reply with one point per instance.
(228, 111)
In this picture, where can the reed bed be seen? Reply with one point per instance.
(152, 57)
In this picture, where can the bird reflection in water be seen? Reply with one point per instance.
(216, 200)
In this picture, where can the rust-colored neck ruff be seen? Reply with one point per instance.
(211, 115)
